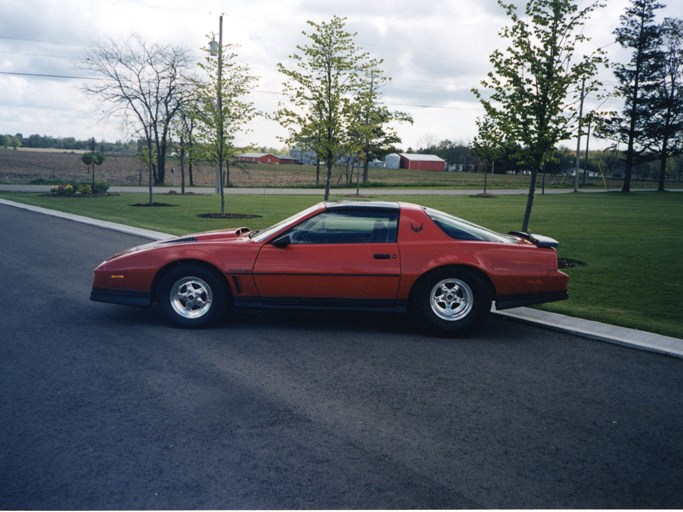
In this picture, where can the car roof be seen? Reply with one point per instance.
(364, 205)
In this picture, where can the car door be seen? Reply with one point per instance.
(338, 254)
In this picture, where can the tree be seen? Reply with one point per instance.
(144, 83)
(184, 137)
(325, 80)
(637, 79)
(92, 159)
(13, 141)
(370, 131)
(488, 144)
(456, 153)
(183, 141)
(223, 109)
(531, 92)
(663, 126)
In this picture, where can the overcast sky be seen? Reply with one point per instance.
(435, 51)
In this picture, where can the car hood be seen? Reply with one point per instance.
(223, 235)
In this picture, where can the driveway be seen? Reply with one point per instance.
(107, 407)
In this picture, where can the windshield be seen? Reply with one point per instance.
(461, 229)
(264, 234)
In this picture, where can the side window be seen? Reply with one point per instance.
(347, 227)
(463, 230)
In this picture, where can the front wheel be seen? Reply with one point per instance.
(192, 295)
(450, 302)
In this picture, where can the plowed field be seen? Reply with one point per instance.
(24, 166)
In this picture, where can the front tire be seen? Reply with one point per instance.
(450, 302)
(192, 295)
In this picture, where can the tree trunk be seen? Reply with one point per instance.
(662, 165)
(161, 163)
(222, 189)
(161, 172)
(328, 179)
(182, 172)
(662, 174)
(530, 200)
(629, 167)
(151, 174)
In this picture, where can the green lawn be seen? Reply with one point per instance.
(631, 244)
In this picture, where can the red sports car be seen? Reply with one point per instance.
(348, 255)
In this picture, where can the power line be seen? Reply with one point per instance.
(439, 107)
(14, 38)
(45, 75)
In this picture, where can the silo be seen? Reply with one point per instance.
(392, 161)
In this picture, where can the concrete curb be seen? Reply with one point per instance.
(632, 338)
(146, 233)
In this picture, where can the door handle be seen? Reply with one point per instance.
(382, 256)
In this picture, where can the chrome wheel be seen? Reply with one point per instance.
(191, 297)
(451, 299)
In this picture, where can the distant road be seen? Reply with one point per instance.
(375, 191)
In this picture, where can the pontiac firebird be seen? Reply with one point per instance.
(386, 256)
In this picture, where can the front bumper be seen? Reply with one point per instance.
(123, 297)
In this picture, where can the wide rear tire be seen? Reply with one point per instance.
(451, 301)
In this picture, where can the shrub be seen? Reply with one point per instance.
(66, 189)
(101, 187)
(81, 189)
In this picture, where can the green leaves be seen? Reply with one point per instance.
(92, 158)
(650, 122)
(223, 109)
(532, 93)
(534, 82)
(332, 88)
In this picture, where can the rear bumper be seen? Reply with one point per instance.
(515, 301)
(123, 297)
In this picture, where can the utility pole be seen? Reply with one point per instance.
(92, 155)
(219, 108)
(578, 139)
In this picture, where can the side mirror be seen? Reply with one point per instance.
(282, 241)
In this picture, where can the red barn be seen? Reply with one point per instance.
(261, 158)
(265, 158)
(419, 162)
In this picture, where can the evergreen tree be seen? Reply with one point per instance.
(664, 123)
(638, 79)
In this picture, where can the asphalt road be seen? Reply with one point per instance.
(106, 407)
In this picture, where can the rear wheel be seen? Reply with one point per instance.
(192, 295)
(451, 301)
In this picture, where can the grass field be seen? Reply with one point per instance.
(31, 166)
(630, 244)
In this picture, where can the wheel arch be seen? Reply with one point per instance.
(189, 261)
(485, 279)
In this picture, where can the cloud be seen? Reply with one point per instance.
(435, 51)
